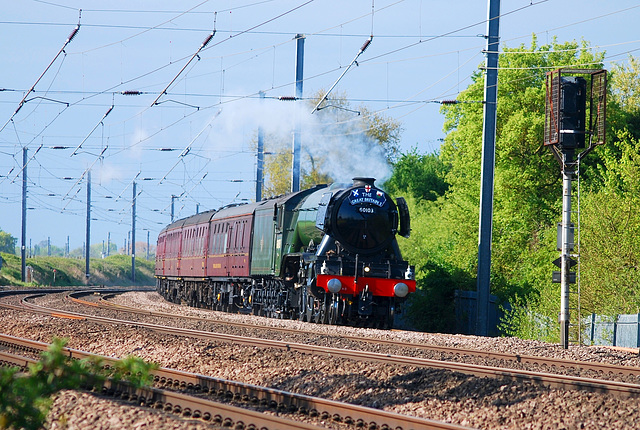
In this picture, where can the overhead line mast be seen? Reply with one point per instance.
(295, 168)
(488, 167)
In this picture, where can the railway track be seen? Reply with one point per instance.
(185, 391)
(602, 368)
(620, 389)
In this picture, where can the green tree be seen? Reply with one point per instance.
(527, 178)
(7, 243)
(527, 190)
(420, 175)
(610, 228)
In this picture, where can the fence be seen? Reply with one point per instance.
(621, 330)
(466, 311)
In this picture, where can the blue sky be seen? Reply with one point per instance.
(196, 143)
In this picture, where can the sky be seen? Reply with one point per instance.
(134, 96)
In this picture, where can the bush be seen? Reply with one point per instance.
(26, 398)
(432, 307)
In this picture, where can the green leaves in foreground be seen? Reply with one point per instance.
(27, 397)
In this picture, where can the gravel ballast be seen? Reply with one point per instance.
(434, 394)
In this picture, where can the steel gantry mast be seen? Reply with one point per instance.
(488, 167)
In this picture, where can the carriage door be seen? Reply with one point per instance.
(237, 251)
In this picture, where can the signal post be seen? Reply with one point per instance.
(568, 98)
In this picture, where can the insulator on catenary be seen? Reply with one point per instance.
(366, 44)
(208, 39)
(449, 102)
(131, 93)
(287, 98)
(73, 33)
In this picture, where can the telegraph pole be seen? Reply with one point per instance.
(295, 175)
(488, 167)
(23, 248)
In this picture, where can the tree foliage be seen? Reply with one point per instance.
(26, 399)
(421, 175)
(7, 243)
(528, 195)
(610, 244)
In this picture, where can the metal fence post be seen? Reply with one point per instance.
(638, 333)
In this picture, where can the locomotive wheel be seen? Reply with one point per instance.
(321, 313)
(302, 308)
(309, 308)
(335, 310)
(253, 298)
(390, 314)
(255, 309)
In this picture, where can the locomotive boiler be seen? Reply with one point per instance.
(328, 255)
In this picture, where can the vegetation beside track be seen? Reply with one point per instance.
(27, 397)
(59, 271)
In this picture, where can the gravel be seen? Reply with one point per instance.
(441, 395)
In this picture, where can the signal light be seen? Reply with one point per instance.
(573, 101)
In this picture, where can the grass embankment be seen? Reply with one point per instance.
(113, 270)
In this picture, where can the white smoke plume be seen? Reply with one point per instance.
(332, 137)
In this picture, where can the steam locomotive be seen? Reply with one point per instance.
(327, 255)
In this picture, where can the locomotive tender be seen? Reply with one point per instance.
(327, 255)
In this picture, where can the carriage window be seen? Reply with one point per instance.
(226, 238)
(216, 240)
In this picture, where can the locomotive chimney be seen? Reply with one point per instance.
(358, 182)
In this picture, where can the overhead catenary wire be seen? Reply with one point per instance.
(165, 126)
(326, 95)
(71, 36)
(187, 149)
(75, 151)
(86, 171)
(208, 39)
(202, 46)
